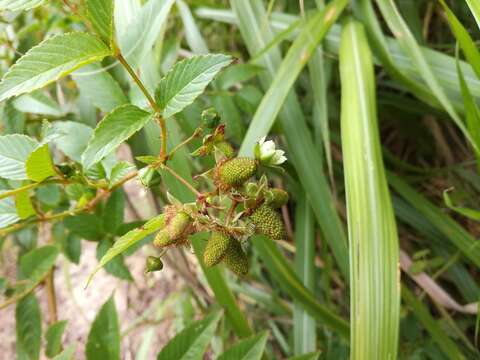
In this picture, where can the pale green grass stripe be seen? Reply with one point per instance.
(374, 273)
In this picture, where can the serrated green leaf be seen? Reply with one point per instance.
(36, 263)
(74, 140)
(247, 349)
(191, 342)
(28, 328)
(8, 212)
(100, 14)
(113, 212)
(138, 37)
(187, 80)
(54, 338)
(14, 151)
(13, 121)
(23, 204)
(115, 128)
(16, 5)
(99, 87)
(115, 266)
(87, 226)
(128, 240)
(104, 337)
(39, 165)
(119, 171)
(37, 103)
(50, 60)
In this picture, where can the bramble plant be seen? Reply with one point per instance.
(231, 205)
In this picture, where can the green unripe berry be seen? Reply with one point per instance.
(216, 248)
(234, 172)
(268, 222)
(153, 263)
(179, 224)
(276, 198)
(163, 239)
(236, 259)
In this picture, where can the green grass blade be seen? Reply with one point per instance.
(471, 109)
(302, 153)
(374, 274)
(456, 234)
(304, 330)
(441, 64)
(298, 55)
(474, 6)
(317, 68)
(464, 39)
(436, 332)
(408, 43)
(282, 272)
(365, 11)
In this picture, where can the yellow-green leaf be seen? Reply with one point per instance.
(24, 205)
(39, 165)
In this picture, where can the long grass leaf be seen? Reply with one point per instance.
(436, 332)
(441, 64)
(298, 55)
(304, 330)
(373, 238)
(285, 277)
(408, 43)
(474, 6)
(456, 234)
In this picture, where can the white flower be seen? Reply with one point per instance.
(265, 152)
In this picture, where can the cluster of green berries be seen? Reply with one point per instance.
(237, 209)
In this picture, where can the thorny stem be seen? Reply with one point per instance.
(60, 216)
(231, 211)
(18, 190)
(195, 134)
(51, 296)
(152, 102)
(182, 180)
(51, 293)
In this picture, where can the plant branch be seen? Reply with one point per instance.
(195, 134)
(153, 104)
(18, 190)
(182, 180)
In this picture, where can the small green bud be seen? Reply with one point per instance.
(234, 172)
(216, 248)
(236, 259)
(226, 148)
(268, 222)
(276, 198)
(153, 263)
(210, 118)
